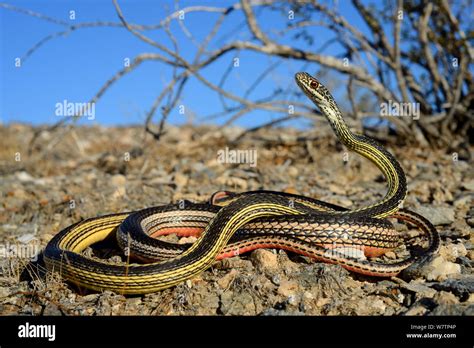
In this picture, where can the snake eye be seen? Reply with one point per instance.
(314, 84)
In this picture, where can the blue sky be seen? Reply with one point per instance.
(74, 67)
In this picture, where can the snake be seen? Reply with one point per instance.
(231, 223)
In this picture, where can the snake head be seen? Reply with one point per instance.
(319, 95)
(310, 86)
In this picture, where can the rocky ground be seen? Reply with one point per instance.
(79, 172)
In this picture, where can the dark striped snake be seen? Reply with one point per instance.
(232, 223)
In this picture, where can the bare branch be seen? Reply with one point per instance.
(423, 34)
(402, 85)
(34, 14)
(455, 24)
(252, 23)
(145, 38)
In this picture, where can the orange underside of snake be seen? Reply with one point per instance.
(196, 232)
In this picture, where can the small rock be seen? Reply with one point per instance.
(452, 310)
(322, 301)
(470, 217)
(437, 215)
(264, 260)
(134, 301)
(118, 180)
(458, 229)
(438, 268)
(272, 312)
(421, 289)
(89, 298)
(416, 310)
(186, 240)
(237, 304)
(4, 292)
(442, 269)
(115, 259)
(445, 298)
(464, 261)
(468, 185)
(288, 287)
(462, 201)
(276, 279)
(27, 310)
(292, 300)
(180, 180)
(52, 310)
(452, 251)
(234, 262)
(293, 171)
(26, 238)
(14, 300)
(338, 189)
(462, 287)
(225, 281)
(209, 304)
(391, 255)
(90, 311)
(90, 176)
(19, 193)
(116, 308)
(379, 306)
(159, 180)
(24, 176)
(9, 227)
(291, 190)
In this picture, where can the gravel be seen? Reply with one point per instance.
(118, 170)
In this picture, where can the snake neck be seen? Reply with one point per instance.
(374, 152)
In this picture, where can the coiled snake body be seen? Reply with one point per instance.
(234, 223)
